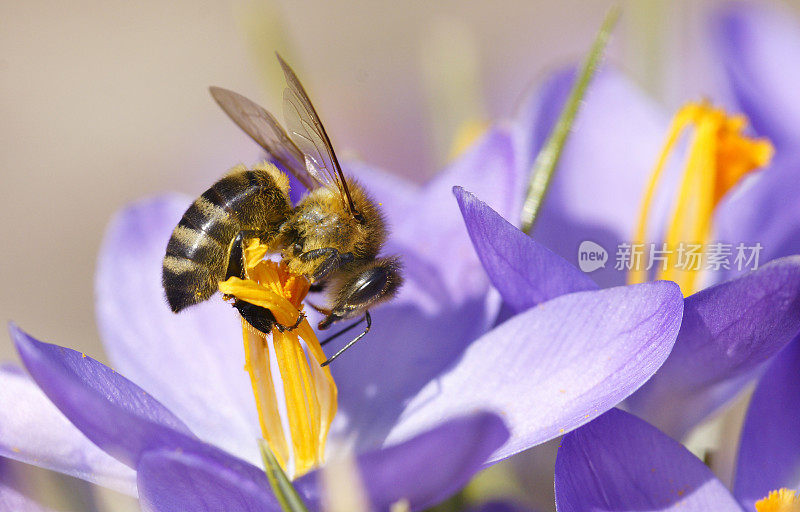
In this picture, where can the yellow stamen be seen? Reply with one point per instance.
(309, 390)
(782, 500)
(720, 155)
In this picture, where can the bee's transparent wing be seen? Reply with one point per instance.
(308, 133)
(267, 132)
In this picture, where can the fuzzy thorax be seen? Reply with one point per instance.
(322, 219)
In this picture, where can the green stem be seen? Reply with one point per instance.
(283, 489)
(548, 156)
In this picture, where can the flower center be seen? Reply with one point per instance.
(782, 500)
(719, 156)
(309, 392)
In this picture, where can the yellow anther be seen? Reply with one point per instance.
(719, 156)
(782, 500)
(309, 391)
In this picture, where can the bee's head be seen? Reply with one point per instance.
(363, 286)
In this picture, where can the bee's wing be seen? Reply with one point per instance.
(267, 132)
(308, 133)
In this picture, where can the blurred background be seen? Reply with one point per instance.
(103, 103)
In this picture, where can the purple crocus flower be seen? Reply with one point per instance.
(732, 327)
(756, 44)
(728, 330)
(181, 432)
(620, 463)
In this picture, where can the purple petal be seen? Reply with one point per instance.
(433, 226)
(597, 188)
(190, 362)
(296, 189)
(34, 431)
(620, 463)
(556, 366)
(728, 330)
(523, 271)
(765, 211)
(198, 476)
(115, 414)
(178, 481)
(15, 495)
(769, 452)
(429, 468)
(444, 302)
(188, 480)
(759, 48)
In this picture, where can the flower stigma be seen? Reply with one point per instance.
(719, 156)
(782, 500)
(309, 392)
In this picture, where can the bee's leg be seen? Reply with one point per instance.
(334, 259)
(282, 328)
(353, 341)
(236, 253)
(259, 318)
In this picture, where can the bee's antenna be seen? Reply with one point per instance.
(348, 328)
(352, 342)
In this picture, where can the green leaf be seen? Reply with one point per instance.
(284, 491)
(548, 156)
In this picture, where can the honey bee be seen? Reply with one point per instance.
(332, 236)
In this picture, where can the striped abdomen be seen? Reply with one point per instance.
(197, 253)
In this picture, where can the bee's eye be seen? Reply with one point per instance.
(368, 285)
(376, 283)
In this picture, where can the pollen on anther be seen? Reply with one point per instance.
(309, 393)
(781, 500)
(720, 155)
